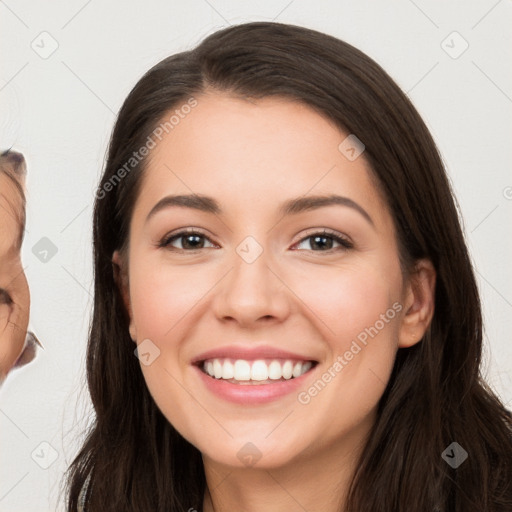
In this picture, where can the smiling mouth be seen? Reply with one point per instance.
(255, 372)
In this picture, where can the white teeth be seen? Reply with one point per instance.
(228, 370)
(287, 370)
(259, 370)
(297, 369)
(217, 368)
(275, 371)
(242, 370)
(306, 367)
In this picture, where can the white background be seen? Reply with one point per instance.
(59, 112)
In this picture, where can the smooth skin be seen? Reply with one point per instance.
(251, 156)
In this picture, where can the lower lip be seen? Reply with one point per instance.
(252, 393)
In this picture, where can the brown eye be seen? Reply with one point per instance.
(192, 239)
(318, 239)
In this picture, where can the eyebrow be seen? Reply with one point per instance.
(291, 207)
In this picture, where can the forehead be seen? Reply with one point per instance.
(254, 153)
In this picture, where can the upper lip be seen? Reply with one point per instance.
(250, 353)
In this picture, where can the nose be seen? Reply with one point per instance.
(252, 292)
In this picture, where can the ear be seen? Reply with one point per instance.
(418, 304)
(120, 270)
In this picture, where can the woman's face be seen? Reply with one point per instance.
(257, 283)
(14, 292)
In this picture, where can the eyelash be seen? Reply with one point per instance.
(345, 243)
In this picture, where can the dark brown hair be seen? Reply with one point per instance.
(136, 460)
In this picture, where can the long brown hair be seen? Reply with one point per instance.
(136, 460)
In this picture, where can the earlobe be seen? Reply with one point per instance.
(419, 304)
(121, 280)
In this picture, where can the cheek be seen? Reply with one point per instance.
(358, 320)
(347, 300)
(161, 297)
(357, 315)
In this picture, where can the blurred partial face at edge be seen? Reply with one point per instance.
(16, 347)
